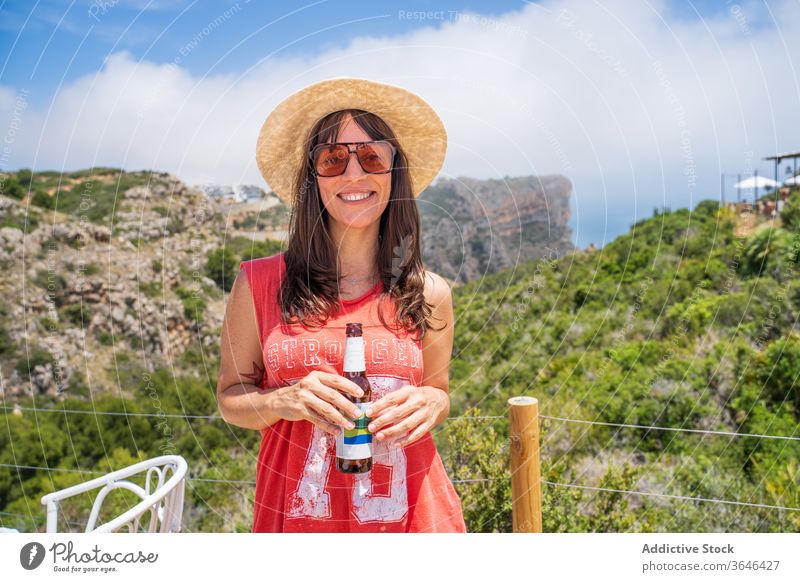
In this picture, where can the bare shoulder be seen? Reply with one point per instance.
(437, 289)
(240, 290)
(240, 308)
(240, 344)
(437, 345)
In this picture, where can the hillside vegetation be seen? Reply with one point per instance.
(677, 324)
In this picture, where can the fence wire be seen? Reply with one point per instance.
(455, 481)
(449, 419)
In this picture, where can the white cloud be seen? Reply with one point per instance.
(637, 105)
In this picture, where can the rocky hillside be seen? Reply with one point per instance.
(101, 265)
(472, 228)
(104, 266)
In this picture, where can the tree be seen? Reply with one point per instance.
(10, 187)
(25, 177)
(222, 266)
(764, 249)
(790, 215)
(43, 200)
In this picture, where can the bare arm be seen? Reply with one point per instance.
(437, 345)
(240, 399)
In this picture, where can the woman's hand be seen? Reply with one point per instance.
(319, 399)
(411, 410)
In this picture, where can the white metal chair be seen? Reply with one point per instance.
(164, 502)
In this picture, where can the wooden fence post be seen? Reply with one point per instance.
(526, 492)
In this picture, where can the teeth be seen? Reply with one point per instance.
(352, 196)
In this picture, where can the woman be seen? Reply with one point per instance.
(349, 156)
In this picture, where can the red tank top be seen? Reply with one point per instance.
(298, 488)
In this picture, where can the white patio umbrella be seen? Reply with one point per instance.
(793, 181)
(756, 182)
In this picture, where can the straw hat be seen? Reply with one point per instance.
(281, 143)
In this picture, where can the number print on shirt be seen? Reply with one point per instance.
(370, 507)
(311, 498)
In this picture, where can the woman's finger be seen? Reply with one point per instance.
(402, 428)
(390, 416)
(415, 435)
(322, 423)
(328, 412)
(337, 399)
(340, 383)
(391, 399)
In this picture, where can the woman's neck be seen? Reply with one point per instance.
(356, 250)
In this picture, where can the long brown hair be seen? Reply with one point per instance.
(309, 293)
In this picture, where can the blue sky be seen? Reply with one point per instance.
(50, 41)
(640, 104)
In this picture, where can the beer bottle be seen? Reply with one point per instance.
(354, 446)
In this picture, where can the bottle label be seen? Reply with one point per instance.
(356, 443)
(354, 360)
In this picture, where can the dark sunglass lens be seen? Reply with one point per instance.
(330, 161)
(375, 157)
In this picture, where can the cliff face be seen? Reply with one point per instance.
(110, 263)
(472, 228)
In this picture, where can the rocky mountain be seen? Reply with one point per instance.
(102, 265)
(472, 228)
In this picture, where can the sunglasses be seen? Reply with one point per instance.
(331, 159)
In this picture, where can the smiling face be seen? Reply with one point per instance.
(343, 196)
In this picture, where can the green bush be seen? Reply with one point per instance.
(76, 314)
(790, 215)
(51, 325)
(43, 200)
(25, 177)
(193, 305)
(150, 288)
(221, 267)
(91, 269)
(38, 357)
(9, 186)
(7, 346)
